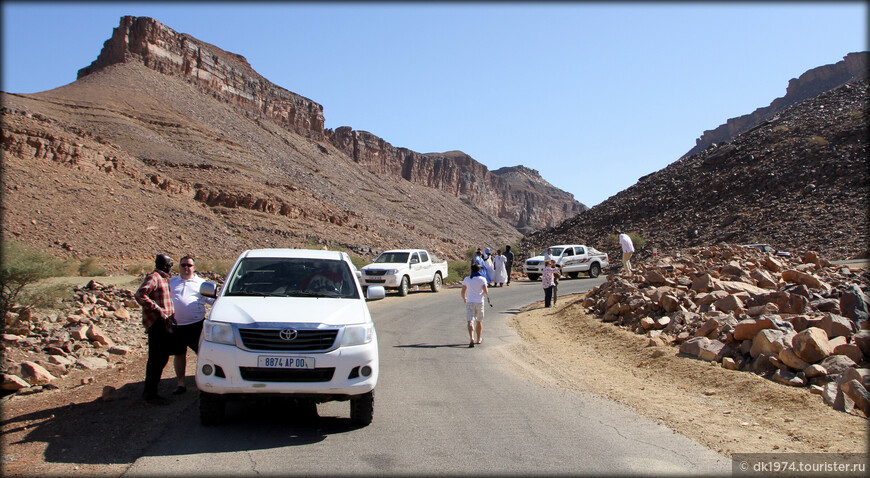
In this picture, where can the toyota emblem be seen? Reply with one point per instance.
(288, 334)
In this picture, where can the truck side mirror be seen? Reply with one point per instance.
(208, 289)
(375, 292)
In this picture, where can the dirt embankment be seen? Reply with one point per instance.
(729, 411)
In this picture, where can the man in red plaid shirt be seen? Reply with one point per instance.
(157, 317)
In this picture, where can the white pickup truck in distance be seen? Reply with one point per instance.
(403, 268)
(572, 258)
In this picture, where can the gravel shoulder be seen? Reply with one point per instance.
(728, 411)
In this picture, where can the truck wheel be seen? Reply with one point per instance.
(436, 282)
(212, 409)
(534, 277)
(594, 270)
(362, 408)
(403, 286)
(573, 275)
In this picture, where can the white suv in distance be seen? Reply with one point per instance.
(289, 323)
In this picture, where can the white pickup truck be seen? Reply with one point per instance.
(403, 268)
(572, 258)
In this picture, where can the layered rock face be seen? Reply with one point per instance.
(808, 85)
(518, 195)
(230, 78)
(226, 74)
(799, 182)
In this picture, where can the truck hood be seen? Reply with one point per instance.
(536, 258)
(385, 265)
(309, 310)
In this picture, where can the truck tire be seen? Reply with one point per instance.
(404, 286)
(534, 277)
(212, 409)
(594, 270)
(362, 408)
(436, 282)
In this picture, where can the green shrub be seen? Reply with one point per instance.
(23, 266)
(636, 239)
(46, 296)
(88, 267)
(780, 128)
(458, 270)
(139, 268)
(220, 267)
(817, 140)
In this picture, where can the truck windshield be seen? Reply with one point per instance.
(557, 251)
(292, 277)
(392, 258)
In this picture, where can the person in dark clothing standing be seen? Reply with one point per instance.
(509, 261)
(158, 317)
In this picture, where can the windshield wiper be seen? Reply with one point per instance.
(256, 294)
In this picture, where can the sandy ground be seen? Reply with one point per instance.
(74, 431)
(728, 411)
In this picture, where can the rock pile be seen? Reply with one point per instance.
(101, 329)
(800, 322)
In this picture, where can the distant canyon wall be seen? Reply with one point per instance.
(808, 85)
(518, 195)
(525, 199)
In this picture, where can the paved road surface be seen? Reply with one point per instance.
(440, 408)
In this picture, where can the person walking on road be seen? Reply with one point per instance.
(627, 250)
(498, 261)
(508, 262)
(159, 321)
(189, 314)
(474, 288)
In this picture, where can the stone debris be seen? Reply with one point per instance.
(802, 322)
(96, 328)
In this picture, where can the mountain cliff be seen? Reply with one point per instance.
(798, 181)
(229, 77)
(808, 85)
(167, 143)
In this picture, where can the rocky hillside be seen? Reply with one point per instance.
(798, 181)
(168, 143)
(808, 85)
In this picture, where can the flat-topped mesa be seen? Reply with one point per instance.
(226, 75)
(518, 195)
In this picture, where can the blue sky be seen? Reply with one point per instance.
(592, 95)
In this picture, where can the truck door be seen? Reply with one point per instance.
(414, 268)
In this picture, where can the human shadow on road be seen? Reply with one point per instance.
(123, 428)
(430, 346)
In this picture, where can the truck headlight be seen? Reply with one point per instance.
(357, 335)
(218, 332)
(391, 272)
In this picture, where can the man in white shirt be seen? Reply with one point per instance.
(627, 250)
(474, 288)
(189, 313)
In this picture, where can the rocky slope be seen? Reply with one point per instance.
(798, 181)
(168, 143)
(810, 84)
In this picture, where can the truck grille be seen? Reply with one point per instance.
(255, 374)
(376, 281)
(305, 341)
(375, 272)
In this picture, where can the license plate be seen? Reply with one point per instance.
(268, 361)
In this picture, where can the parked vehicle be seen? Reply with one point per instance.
(572, 258)
(769, 249)
(293, 324)
(403, 268)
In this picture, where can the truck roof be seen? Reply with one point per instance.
(295, 253)
(403, 250)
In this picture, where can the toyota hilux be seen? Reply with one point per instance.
(288, 324)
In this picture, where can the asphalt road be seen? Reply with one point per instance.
(440, 408)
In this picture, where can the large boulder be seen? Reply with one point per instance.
(35, 374)
(862, 340)
(837, 364)
(809, 280)
(855, 304)
(837, 326)
(767, 342)
(703, 348)
(811, 345)
(859, 395)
